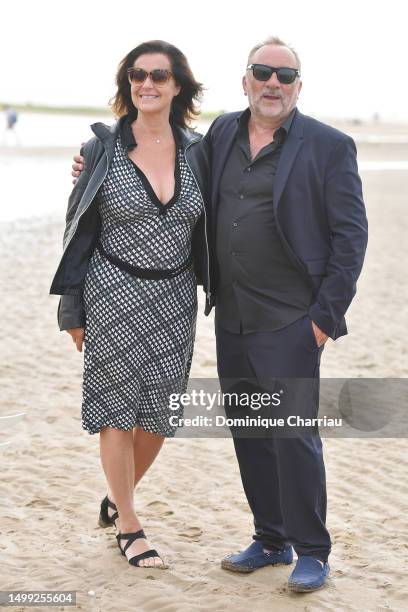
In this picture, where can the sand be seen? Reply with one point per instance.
(191, 502)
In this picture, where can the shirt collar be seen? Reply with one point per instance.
(286, 125)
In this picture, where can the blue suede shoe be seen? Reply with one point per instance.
(308, 575)
(254, 557)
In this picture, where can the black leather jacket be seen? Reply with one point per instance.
(83, 220)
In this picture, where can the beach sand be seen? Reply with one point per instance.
(191, 502)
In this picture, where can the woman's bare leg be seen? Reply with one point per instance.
(117, 457)
(146, 447)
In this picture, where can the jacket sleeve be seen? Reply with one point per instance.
(348, 237)
(79, 187)
(71, 311)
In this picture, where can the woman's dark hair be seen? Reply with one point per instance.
(183, 108)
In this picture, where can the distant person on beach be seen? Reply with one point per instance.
(135, 246)
(290, 234)
(11, 117)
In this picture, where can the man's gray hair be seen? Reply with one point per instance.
(273, 40)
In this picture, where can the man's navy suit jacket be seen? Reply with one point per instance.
(318, 206)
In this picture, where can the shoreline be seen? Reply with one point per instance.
(367, 150)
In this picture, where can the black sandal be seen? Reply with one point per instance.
(104, 519)
(131, 537)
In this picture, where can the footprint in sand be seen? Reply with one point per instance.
(39, 503)
(160, 507)
(192, 533)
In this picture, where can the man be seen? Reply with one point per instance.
(290, 233)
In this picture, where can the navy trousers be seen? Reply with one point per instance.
(283, 477)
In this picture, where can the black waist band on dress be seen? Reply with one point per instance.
(149, 273)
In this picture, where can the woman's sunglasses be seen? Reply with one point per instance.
(262, 72)
(158, 76)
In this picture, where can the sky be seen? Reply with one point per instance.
(353, 53)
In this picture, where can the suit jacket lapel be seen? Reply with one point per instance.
(221, 151)
(290, 150)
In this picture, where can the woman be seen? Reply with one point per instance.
(136, 227)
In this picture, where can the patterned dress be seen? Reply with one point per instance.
(139, 333)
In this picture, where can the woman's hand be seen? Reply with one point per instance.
(77, 334)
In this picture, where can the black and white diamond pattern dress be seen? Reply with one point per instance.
(139, 333)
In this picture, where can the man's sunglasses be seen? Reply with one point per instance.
(262, 72)
(158, 76)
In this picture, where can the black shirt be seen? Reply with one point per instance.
(259, 287)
